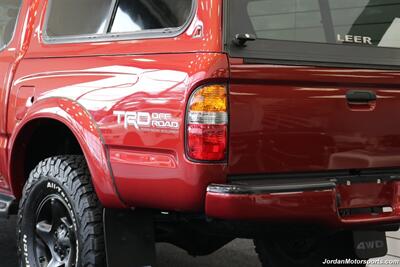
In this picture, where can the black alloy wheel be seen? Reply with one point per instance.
(55, 242)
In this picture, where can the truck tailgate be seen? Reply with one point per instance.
(310, 119)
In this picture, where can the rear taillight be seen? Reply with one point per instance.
(207, 123)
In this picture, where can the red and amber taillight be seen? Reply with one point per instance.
(207, 123)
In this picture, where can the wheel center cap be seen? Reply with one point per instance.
(61, 233)
(61, 246)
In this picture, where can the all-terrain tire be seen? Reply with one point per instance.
(65, 181)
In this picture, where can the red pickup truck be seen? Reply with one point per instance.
(194, 122)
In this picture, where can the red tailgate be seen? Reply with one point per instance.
(303, 119)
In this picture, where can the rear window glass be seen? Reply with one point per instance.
(9, 10)
(139, 15)
(355, 22)
(68, 18)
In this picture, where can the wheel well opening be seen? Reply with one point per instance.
(41, 139)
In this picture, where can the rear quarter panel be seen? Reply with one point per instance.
(149, 168)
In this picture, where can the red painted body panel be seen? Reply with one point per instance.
(10, 57)
(296, 119)
(149, 169)
(283, 119)
(106, 84)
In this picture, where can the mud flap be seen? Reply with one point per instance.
(370, 244)
(129, 238)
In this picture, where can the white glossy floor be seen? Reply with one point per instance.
(393, 239)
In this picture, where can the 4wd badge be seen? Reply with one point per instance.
(370, 244)
(160, 122)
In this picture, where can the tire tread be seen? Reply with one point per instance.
(72, 173)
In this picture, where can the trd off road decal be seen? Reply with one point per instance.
(146, 121)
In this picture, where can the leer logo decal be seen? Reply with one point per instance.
(354, 39)
(145, 121)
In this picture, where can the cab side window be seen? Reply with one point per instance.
(72, 19)
(77, 17)
(140, 15)
(9, 10)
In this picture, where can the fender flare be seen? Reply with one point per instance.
(82, 125)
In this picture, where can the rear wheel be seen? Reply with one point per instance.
(60, 217)
(304, 251)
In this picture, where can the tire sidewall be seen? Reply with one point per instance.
(40, 189)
